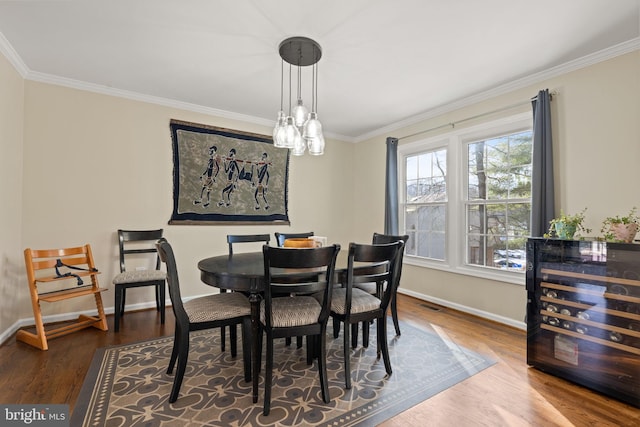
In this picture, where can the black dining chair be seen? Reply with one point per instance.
(233, 239)
(351, 305)
(281, 237)
(379, 238)
(208, 312)
(299, 313)
(138, 244)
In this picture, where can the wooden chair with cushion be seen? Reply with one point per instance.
(141, 245)
(56, 275)
(281, 237)
(351, 305)
(208, 312)
(231, 240)
(298, 313)
(373, 289)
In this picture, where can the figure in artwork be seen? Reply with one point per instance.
(232, 173)
(262, 182)
(208, 177)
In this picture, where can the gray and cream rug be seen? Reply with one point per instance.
(128, 386)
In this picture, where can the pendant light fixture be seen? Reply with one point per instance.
(300, 128)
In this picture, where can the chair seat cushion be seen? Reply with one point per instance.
(292, 311)
(361, 301)
(369, 287)
(217, 307)
(136, 276)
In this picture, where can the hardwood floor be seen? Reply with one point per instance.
(507, 394)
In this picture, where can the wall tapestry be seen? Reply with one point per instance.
(223, 176)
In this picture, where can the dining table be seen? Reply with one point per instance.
(244, 272)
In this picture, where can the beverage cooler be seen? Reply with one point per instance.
(583, 313)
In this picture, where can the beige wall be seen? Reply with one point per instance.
(11, 260)
(95, 163)
(596, 129)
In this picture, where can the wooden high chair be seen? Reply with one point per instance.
(56, 275)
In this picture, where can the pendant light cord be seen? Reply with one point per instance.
(281, 84)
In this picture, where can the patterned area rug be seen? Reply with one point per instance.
(128, 385)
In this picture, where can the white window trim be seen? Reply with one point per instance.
(454, 142)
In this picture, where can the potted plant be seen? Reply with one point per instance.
(621, 228)
(566, 226)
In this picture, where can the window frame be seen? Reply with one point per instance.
(455, 142)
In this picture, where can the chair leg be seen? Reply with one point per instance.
(383, 345)
(183, 356)
(174, 351)
(347, 355)
(299, 342)
(117, 309)
(354, 335)
(223, 331)
(287, 341)
(233, 338)
(365, 334)
(336, 327)
(124, 297)
(268, 374)
(161, 290)
(322, 365)
(312, 349)
(394, 314)
(246, 347)
(157, 297)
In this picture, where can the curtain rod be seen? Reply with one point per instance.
(477, 116)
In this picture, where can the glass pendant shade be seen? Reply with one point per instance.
(278, 130)
(316, 146)
(291, 133)
(300, 113)
(299, 146)
(312, 127)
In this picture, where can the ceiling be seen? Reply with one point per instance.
(383, 61)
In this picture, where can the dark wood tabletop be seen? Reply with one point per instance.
(245, 271)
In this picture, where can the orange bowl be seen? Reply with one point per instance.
(300, 243)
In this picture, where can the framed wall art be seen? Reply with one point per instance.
(224, 176)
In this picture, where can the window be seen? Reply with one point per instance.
(466, 199)
(498, 201)
(426, 206)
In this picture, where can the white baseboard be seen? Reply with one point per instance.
(465, 309)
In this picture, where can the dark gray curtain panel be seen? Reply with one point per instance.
(391, 188)
(542, 191)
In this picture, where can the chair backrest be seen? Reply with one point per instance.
(73, 263)
(384, 260)
(165, 252)
(390, 238)
(281, 237)
(246, 238)
(138, 242)
(299, 271)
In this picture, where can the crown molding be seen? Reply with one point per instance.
(12, 56)
(585, 61)
(620, 49)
